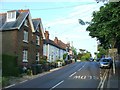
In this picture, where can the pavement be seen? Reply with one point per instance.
(114, 78)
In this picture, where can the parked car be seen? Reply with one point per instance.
(91, 59)
(106, 63)
(98, 59)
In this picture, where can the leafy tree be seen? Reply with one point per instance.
(64, 56)
(86, 56)
(105, 25)
(82, 51)
(102, 52)
(83, 55)
(79, 56)
(74, 50)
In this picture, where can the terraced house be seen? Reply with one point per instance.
(54, 50)
(22, 36)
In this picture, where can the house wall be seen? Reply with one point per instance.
(53, 53)
(9, 42)
(41, 42)
(13, 44)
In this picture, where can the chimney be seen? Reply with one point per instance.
(56, 40)
(47, 35)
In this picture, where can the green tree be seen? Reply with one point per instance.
(102, 52)
(105, 25)
(86, 56)
(79, 56)
(64, 56)
(74, 50)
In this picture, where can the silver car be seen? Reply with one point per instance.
(105, 63)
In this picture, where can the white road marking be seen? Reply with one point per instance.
(72, 74)
(57, 85)
(83, 77)
(77, 77)
(103, 79)
(10, 86)
(23, 81)
(90, 77)
(82, 67)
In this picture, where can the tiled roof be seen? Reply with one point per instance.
(2, 19)
(45, 41)
(13, 24)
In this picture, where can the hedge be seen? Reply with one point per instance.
(9, 65)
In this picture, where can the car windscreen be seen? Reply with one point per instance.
(105, 60)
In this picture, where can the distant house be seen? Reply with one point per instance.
(54, 50)
(21, 36)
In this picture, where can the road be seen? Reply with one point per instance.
(75, 75)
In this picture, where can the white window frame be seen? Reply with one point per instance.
(11, 16)
(25, 55)
(37, 40)
(25, 36)
(37, 56)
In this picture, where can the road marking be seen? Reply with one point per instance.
(72, 74)
(57, 85)
(10, 86)
(83, 77)
(90, 77)
(23, 81)
(103, 79)
(77, 77)
(82, 67)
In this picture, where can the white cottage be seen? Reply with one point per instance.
(54, 50)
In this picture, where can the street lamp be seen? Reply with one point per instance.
(83, 22)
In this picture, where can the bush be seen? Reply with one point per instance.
(45, 65)
(9, 66)
(53, 65)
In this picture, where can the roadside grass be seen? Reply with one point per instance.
(5, 81)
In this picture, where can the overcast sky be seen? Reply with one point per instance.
(60, 18)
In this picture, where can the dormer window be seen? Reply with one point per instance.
(11, 16)
(26, 23)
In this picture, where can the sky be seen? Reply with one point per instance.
(60, 18)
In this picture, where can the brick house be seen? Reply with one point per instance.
(38, 36)
(18, 31)
(54, 50)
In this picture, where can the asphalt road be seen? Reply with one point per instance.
(75, 75)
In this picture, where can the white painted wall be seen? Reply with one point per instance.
(53, 53)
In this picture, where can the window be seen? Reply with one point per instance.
(25, 56)
(25, 36)
(37, 40)
(26, 23)
(11, 16)
(37, 56)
